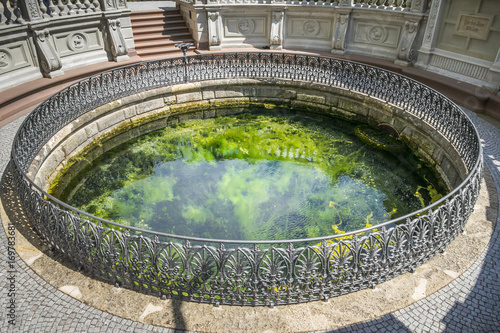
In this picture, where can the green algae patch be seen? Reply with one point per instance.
(253, 177)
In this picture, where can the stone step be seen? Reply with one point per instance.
(158, 51)
(149, 13)
(159, 23)
(159, 42)
(143, 18)
(157, 31)
(155, 36)
(162, 30)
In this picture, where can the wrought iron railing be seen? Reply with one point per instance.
(247, 272)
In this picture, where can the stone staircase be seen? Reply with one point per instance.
(157, 31)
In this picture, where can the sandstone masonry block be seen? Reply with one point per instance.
(352, 106)
(168, 100)
(210, 113)
(228, 93)
(272, 100)
(190, 116)
(149, 105)
(310, 107)
(74, 141)
(189, 97)
(91, 130)
(208, 94)
(311, 98)
(130, 111)
(275, 92)
(110, 120)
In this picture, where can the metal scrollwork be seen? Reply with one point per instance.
(259, 273)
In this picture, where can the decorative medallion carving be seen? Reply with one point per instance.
(246, 26)
(77, 42)
(377, 34)
(311, 28)
(5, 60)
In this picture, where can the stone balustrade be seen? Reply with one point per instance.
(435, 36)
(44, 38)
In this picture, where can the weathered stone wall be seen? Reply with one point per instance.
(109, 125)
(458, 38)
(462, 40)
(386, 32)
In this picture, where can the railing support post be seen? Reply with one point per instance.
(184, 47)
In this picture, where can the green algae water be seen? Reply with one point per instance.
(252, 177)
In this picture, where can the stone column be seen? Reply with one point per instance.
(31, 10)
(418, 6)
(276, 35)
(431, 32)
(494, 74)
(214, 30)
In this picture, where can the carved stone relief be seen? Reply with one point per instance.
(33, 11)
(48, 58)
(5, 60)
(311, 28)
(254, 26)
(214, 34)
(77, 42)
(298, 27)
(473, 26)
(405, 48)
(376, 34)
(277, 30)
(246, 26)
(418, 6)
(431, 24)
(117, 44)
(340, 32)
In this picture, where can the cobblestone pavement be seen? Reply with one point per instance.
(471, 303)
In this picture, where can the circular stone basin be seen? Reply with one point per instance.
(253, 177)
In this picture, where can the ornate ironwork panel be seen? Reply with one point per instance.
(245, 272)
